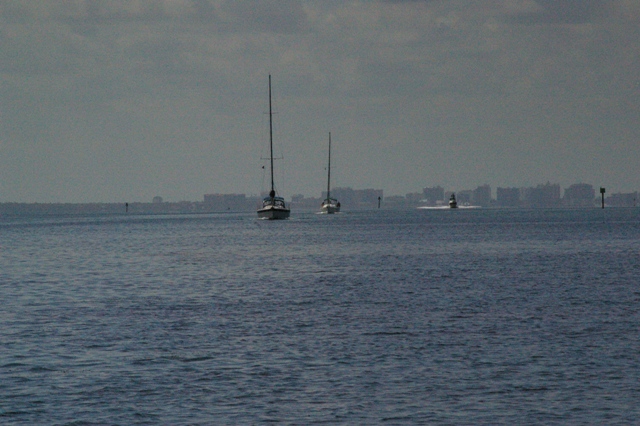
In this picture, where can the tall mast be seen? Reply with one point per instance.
(272, 194)
(329, 171)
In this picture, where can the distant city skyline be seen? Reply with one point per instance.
(546, 195)
(493, 193)
(126, 100)
(578, 191)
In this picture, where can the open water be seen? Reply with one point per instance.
(394, 317)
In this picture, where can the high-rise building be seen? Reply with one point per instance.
(542, 196)
(579, 195)
(508, 197)
(629, 199)
(433, 195)
(482, 196)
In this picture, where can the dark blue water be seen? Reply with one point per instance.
(398, 317)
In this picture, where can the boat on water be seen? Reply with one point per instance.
(452, 202)
(330, 205)
(273, 206)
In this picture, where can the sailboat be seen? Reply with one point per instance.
(273, 207)
(330, 205)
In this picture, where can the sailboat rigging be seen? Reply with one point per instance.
(273, 206)
(330, 205)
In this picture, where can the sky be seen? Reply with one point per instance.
(124, 100)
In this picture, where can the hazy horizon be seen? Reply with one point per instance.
(130, 99)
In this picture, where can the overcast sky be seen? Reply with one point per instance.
(123, 100)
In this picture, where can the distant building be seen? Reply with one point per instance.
(369, 197)
(542, 196)
(481, 196)
(157, 200)
(464, 197)
(410, 200)
(508, 197)
(433, 195)
(629, 199)
(346, 196)
(300, 202)
(397, 201)
(358, 198)
(579, 195)
(413, 198)
(220, 202)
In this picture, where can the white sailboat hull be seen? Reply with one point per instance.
(330, 208)
(273, 213)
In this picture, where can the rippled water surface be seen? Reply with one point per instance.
(404, 317)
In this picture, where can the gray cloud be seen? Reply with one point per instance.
(151, 97)
(272, 16)
(567, 12)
